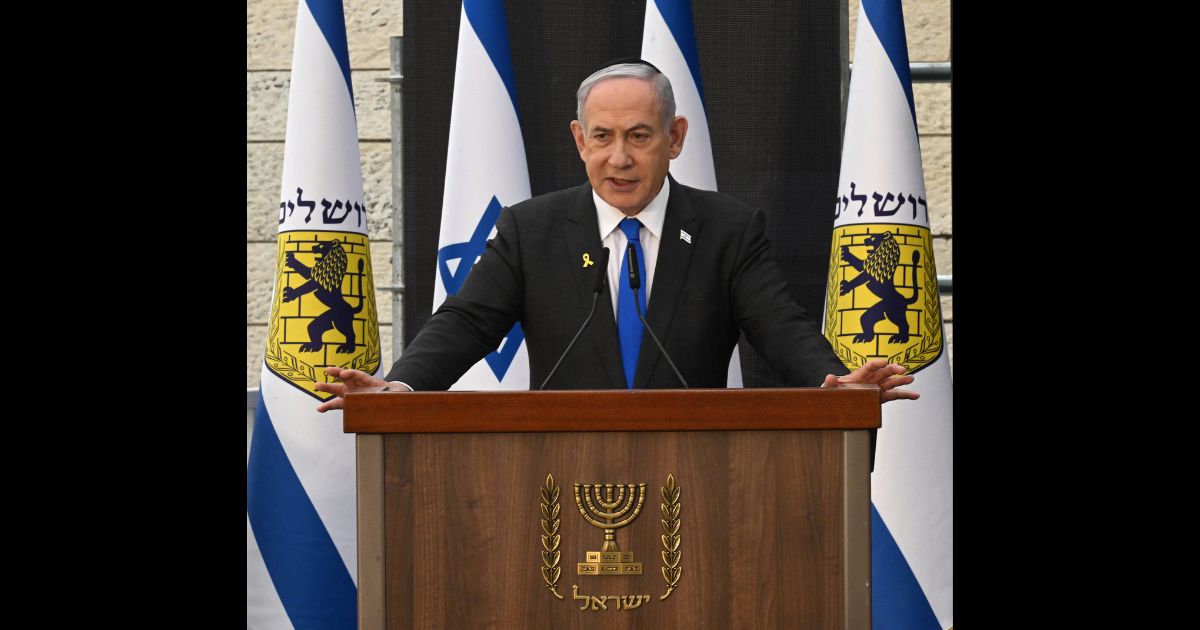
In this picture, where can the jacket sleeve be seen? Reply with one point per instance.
(778, 328)
(472, 323)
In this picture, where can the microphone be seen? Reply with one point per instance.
(635, 283)
(597, 288)
(635, 275)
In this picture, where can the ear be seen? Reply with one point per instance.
(678, 131)
(580, 141)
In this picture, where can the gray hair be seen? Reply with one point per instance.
(662, 87)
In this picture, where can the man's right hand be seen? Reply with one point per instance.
(351, 381)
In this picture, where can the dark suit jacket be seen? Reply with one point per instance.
(533, 272)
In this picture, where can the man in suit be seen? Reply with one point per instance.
(704, 258)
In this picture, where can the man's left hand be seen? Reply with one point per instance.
(888, 376)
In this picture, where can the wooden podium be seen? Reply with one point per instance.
(746, 508)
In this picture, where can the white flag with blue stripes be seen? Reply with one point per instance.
(669, 42)
(883, 302)
(485, 171)
(300, 488)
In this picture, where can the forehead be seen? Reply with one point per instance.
(624, 102)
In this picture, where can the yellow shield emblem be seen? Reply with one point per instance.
(882, 300)
(324, 308)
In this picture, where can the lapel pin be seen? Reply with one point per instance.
(685, 237)
(587, 260)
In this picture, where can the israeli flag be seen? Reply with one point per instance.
(881, 190)
(301, 567)
(669, 42)
(485, 171)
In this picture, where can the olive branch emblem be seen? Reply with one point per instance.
(550, 536)
(670, 537)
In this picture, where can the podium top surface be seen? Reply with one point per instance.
(850, 407)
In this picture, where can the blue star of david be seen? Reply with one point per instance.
(467, 253)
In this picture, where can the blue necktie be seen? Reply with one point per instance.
(629, 325)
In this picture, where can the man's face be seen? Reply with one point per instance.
(625, 149)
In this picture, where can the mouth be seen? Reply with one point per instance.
(621, 185)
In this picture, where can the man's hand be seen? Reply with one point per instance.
(877, 372)
(352, 381)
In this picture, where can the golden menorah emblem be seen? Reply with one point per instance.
(610, 507)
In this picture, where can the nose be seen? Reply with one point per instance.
(620, 158)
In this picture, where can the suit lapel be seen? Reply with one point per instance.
(583, 235)
(670, 272)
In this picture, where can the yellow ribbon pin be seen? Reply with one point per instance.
(587, 260)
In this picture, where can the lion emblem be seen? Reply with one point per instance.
(878, 272)
(325, 282)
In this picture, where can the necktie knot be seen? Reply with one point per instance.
(630, 227)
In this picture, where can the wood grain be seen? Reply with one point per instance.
(847, 407)
(762, 528)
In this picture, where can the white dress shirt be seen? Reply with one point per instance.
(650, 234)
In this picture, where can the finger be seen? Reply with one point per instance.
(336, 403)
(362, 380)
(336, 389)
(892, 381)
(831, 381)
(895, 381)
(355, 379)
(898, 394)
(872, 366)
(351, 375)
(865, 373)
(885, 372)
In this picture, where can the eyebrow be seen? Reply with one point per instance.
(637, 127)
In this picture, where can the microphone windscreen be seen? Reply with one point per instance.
(635, 275)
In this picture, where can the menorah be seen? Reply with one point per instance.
(610, 507)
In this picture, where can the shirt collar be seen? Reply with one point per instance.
(652, 216)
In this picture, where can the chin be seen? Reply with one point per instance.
(628, 199)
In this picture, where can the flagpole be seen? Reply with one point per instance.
(396, 80)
